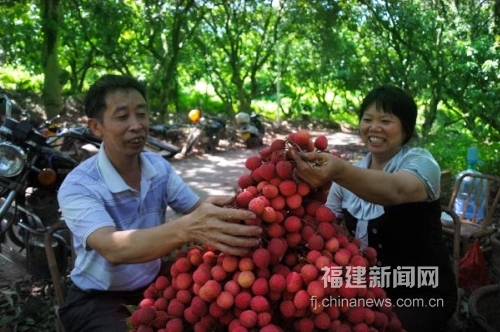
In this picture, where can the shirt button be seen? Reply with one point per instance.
(374, 231)
(379, 263)
(379, 245)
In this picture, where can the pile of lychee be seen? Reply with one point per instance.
(280, 286)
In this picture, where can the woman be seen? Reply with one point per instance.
(390, 201)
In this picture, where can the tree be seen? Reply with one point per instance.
(50, 14)
(235, 43)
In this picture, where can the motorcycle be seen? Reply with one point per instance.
(250, 129)
(80, 143)
(207, 131)
(31, 172)
(172, 133)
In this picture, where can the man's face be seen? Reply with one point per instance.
(125, 124)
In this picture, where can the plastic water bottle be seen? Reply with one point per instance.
(463, 192)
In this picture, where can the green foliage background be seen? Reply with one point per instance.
(314, 59)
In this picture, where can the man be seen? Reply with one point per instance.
(115, 205)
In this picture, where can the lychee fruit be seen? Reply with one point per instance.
(245, 180)
(321, 142)
(253, 162)
(243, 198)
(261, 257)
(287, 187)
(284, 169)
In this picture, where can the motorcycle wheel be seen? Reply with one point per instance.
(253, 142)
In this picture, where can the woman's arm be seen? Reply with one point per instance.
(371, 185)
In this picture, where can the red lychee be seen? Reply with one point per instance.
(210, 290)
(322, 321)
(144, 315)
(259, 303)
(342, 256)
(324, 214)
(257, 205)
(230, 263)
(303, 189)
(277, 283)
(315, 242)
(245, 180)
(225, 300)
(268, 214)
(287, 308)
(277, 246)
(287, 187)
(261, 257)
(294, 201)
(278, 144)
(243, 198)
(301, 137)
(308, 272)
(293, 282)
(301, 299)
(276, 230)
(326, 230)
(246, 279)
(242, 300)
(246, 264)
(253, 162)
(260, 287)
(284, 169)
(270, 191)
(248, 318)
(321, 142)
(162, 282)
(267, 171)
(278, 203)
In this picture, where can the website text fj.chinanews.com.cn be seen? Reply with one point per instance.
(337, 301)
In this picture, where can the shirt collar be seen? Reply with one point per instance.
(113, 179)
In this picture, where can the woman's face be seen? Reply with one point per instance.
(381, 132)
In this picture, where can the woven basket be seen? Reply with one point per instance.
(484, 310)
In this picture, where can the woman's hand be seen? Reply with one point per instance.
(316, 168)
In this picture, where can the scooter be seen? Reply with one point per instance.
(207, 131)
(250, 129)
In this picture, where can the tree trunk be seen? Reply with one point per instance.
(52, 100)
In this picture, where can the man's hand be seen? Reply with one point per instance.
(215, 226)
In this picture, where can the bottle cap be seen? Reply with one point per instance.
(472, 155)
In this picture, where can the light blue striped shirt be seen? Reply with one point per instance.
(94, 195)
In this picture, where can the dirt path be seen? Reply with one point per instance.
(216, 174)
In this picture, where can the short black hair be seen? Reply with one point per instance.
(394, 100)
(95, 100)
